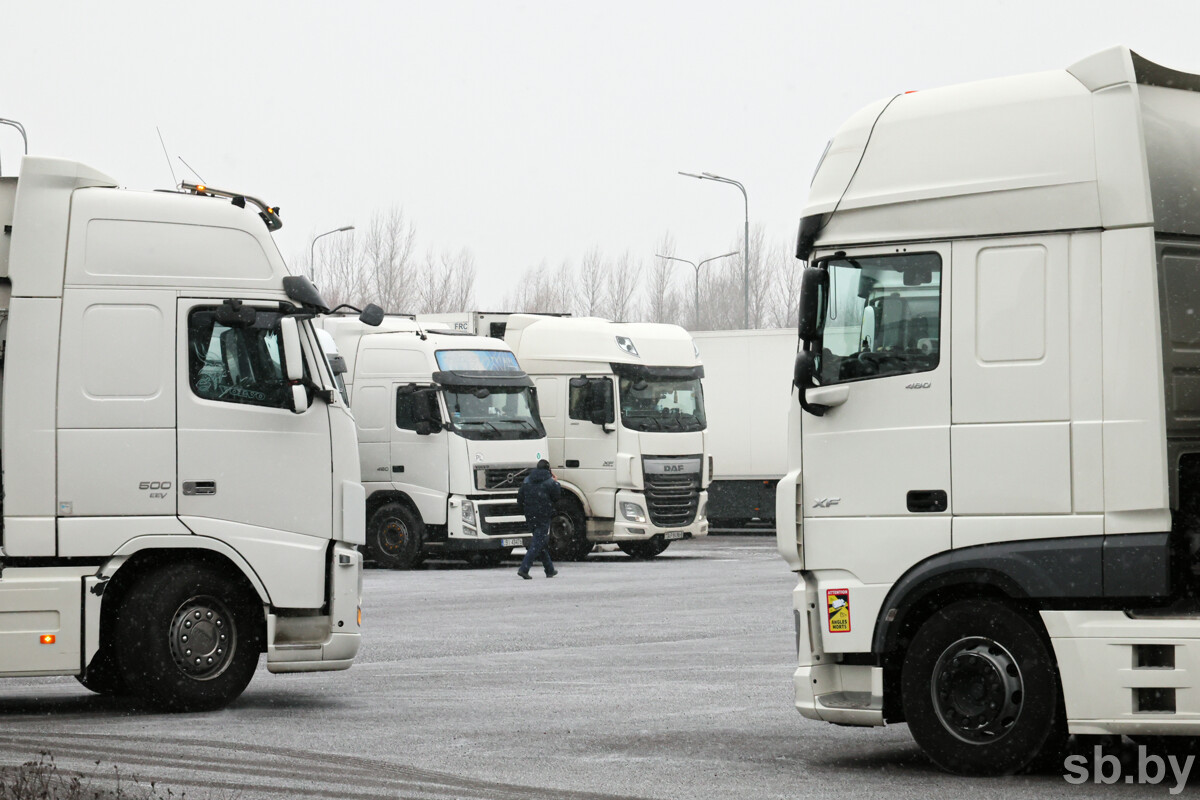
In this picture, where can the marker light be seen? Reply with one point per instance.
(360, 616)
(47, 638)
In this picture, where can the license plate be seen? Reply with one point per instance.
(670, 535)
(511, 542)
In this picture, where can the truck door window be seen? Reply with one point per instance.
(237, 365)
(883, 317)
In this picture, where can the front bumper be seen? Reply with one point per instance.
(620, 529)
(493, 523)
(322, 642)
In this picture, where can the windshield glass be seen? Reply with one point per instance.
(502, 412)
(652, 403)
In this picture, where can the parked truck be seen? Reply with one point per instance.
(624, 410)
(180, 480)
(993, 495)
(448, 428)
(747, 375)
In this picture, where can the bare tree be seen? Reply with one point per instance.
(622, 282)
(787, 270)
(387, 256)
(663, 299)
(589, 292)
(447, 283)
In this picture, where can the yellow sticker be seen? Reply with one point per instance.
(838, 603)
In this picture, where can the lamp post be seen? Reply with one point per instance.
(695, 266)
(708, 176)
(312, 250)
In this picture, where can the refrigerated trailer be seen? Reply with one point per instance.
(747, 375)
(180, 477)
(448, 429)
(994, 446)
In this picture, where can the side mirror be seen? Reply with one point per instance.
(814, 288)
(425, 412)
(235, 314)
(371, 315)
(802, 377)
(600, 400)
(293, 356)
(299, 399)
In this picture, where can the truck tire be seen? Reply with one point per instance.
(103, 675)
(644, 550)
(568, 532)
(980, 690)
(395, 536)
(188, 637)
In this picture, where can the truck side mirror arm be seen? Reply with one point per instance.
(802, 380)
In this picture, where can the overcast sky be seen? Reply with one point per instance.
(525, 131)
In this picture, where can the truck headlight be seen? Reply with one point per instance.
(632, 512)
(468, 513)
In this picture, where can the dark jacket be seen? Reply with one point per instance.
(537, 496)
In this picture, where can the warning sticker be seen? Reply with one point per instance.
(838, 603)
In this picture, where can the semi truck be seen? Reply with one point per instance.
(747, 377)
(993, 494)
(624, 411)
(180, 477)
(448, 428)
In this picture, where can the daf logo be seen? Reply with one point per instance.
(827, 502)
(673, 467)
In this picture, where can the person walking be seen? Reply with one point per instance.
(536, 498)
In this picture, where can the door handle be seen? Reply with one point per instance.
(928, 501)
(199, 487)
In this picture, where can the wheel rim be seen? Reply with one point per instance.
(393, 533)
(977, 690)
(203, 636)
(562, 530)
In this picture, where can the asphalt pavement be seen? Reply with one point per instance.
(665, 679)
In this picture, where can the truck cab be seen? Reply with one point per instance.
(159, 369)
(624, 409)
(448, 428)
(994, 444)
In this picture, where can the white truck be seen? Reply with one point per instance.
(180, 479)
(448, 428)
(747, 375)
(624, 411)
(993, 495)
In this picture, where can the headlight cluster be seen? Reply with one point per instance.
(468, 513)
(632, 512)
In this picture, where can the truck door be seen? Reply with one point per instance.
(590, 447)
(876, 478)
(246, 459)
(420, 461)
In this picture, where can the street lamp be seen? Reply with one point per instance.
(695, 266)
(708, 176)
(312, 250)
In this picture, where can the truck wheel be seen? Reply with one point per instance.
(395, 536)
(568, 532)
(188, 637)
(103, 675)
(980, 690)
(647, 549)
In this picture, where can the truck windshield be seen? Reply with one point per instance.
(652, 402)
(493, 412)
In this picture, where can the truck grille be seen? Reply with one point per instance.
(672, 499)
(491, 526)
(501, 479)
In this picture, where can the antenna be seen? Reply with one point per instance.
(20, 129)
(164, 147)
(189, 166)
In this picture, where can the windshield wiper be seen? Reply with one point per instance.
(478, 422)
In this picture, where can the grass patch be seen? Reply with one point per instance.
(41, 779)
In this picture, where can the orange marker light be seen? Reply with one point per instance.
(47, 638)
(360, 616)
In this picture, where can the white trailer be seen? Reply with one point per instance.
(180, 481)
(448, 428)
(993, 485)
(480, 323)
(747, 375)
(624, 411)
